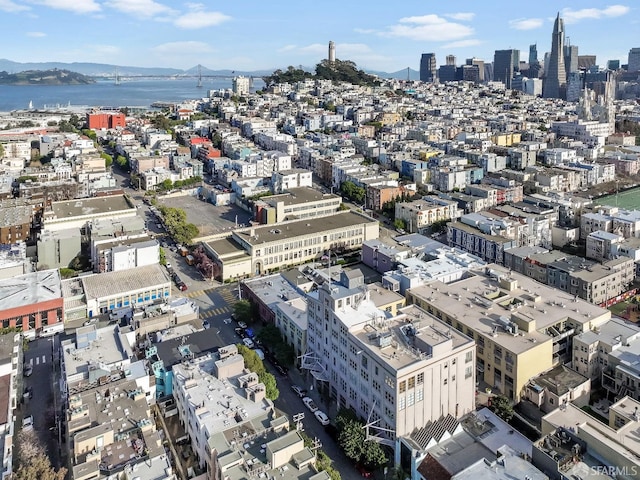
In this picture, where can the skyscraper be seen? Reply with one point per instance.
(555, 81)
(570, 58)
(480, 64)
(505, 63)
(533, 54)
(451, 60)
(633, 64)
(428, 67)
(332, 52)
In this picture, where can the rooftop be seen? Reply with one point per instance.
(29, 289)
(125, 281)
(91, 206)
(18, 215)
(296, 196)
(560, 380)
(413, 336)
(288, 230)
(491, 301)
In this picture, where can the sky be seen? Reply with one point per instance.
(251, 35)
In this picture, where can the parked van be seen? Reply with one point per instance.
(190, 259)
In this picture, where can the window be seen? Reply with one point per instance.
(419, 395)
(410, 399)
(420, 378)
(412, 382)
(401, 403)
(402, 386)
(467, 372)
(468, 357)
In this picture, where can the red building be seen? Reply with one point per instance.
(99, 121)
(31, 301)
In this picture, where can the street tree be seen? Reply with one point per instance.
(242, 311)
(32, 459)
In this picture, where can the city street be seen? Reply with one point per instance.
(43, 405)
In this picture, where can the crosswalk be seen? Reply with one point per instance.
(215, 312)
(198, 293)
(38, 360)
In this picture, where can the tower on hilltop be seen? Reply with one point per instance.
(332, 52)
(555, 82)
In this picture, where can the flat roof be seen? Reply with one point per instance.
(413, 336)
(90, 206)
(296, 196)
(297, 228)
(480, 302)
(18, 215)
(560, 380)
(31, 288)
(102, 285)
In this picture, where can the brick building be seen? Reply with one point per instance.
(15, 224)
(31, 301)
(99, 121)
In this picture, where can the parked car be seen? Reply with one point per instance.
(299, 391)
(28, 370)
(242, 325)
(239, 331)
(363, 471)
(310, 404)
(27, 423)
(322, 417)
(28, 393)
(248, 342)
(182, 286)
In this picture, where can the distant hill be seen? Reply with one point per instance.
(45, 77)
(108, 70)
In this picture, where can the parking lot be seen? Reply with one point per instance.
(210, 219)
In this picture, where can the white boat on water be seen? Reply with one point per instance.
(30, 104)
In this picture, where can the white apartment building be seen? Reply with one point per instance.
(400, 372)
(420, 214)
(286, 179)
(240, 85)
(602, 245)
(291, 320)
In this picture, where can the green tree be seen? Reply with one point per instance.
(108, 159)
(270, 385)
(351, 439)
(253, 363)
(399, 223)
(352, 191)
(243, 311)
(67, 273)
(166, 184)
(163, 256)
(501, 406)
(122, 162)
(353, 442)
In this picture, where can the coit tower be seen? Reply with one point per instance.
(332, 52)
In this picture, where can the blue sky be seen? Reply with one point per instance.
(250, 35)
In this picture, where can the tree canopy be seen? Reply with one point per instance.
(338, 71)
(502, 407)
(253, 363)
(352, 191)
(33, 461)
(175, 219)
(353, 441)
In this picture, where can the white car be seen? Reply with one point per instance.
(310, 404)
(28, 370)
(27, 423)
(248, 342)
(322, 417)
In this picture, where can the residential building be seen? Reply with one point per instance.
(11, 357)
(557, 387)
(78, 213)
(285, 180)
(240, 85)
(15, 224)
(31, 302)
(296, 203)
(488, 246)
(58, 248)
(268, 292)
(291, 320)
(418, 215)
(601, 245)
(106, 120)
(399, 372)
(125, 254)
(241, 416)
(521, 327)
(608, 447)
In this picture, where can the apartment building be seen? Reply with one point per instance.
(489, 247)
(420, 214)
(125, 254)
(605, 447)
(234, 429)
(78, 213)
(110, 432)
(297, 203)
(15, 224)
(521, 327)
(602, 245)
(400, 372)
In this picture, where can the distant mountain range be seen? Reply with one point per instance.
(107, 70)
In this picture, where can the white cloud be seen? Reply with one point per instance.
(199, 19)
(182, 48)
(12, 7)
(104, 50)
(574, 16)
(142, 8)
(287, 48)
(36, 34)
(75, 6)
(463, 43)
(430, 28)
(525, 23)
(462, 16)
(364, 30)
